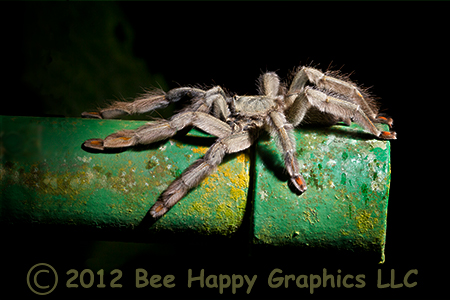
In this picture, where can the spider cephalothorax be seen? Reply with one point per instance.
(312, 97)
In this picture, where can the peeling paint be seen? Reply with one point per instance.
(345, 205)
(65, 184)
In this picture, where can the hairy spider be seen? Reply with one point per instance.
(312, 97)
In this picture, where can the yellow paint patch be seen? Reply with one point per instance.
(200, 149)
(365, 222)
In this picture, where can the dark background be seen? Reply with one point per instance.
(63, 58)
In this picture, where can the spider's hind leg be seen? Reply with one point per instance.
(384, 120)
(344, 109)
(339, 86)
(349, 105)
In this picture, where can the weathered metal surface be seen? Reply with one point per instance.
(47, 178)
(345, 205)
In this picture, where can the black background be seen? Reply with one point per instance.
(398, 49)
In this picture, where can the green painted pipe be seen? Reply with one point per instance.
(345, 205)
(47, 178)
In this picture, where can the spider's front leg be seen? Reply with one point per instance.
(199, 170)
(157, 99)
(161, 130)
(284, 131)
(197, 114)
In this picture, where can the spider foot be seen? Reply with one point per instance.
(94, 144)
(158, 209)
(91, 114)
(388, 135)
(299, 183)
(123, 138)
(385, 120)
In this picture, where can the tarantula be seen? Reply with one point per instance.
(236, 121)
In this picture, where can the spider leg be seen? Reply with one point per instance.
(341, 108)
(199, 170)
(269, 84)
(157, 99)
(284, 132)
(149, 101)
(385, 120)
(335, 85)
(160, 130)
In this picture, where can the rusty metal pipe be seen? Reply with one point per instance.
(47, 178)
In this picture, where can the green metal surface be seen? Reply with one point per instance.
(345, 206)
(47, 178)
